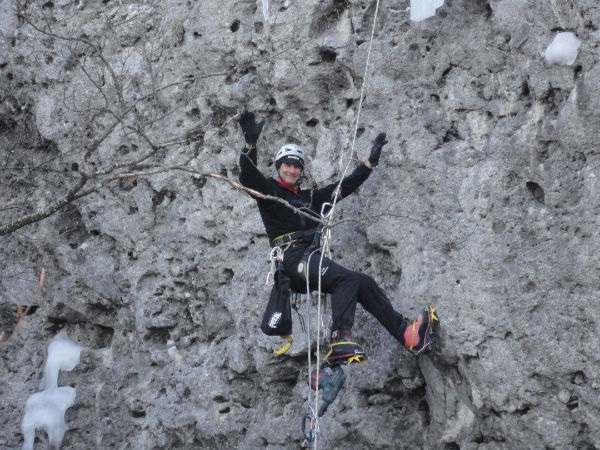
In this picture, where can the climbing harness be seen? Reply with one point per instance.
(285, 240)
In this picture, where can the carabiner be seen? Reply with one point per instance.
(309, 436)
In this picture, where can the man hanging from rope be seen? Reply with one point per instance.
(294, 233)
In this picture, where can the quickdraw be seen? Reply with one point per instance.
(313, 427)
(275, 255)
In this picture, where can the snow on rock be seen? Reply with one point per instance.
(563, 49)
(46, 409)
(63, 354)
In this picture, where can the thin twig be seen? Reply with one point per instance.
(23, 312)
(257, 194)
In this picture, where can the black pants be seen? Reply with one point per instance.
(347, 288)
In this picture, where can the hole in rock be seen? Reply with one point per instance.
(55, 324)
(328, 55)
(536, 191)
(573, 403)
(32, 309)
(104, 336)
(159, 335)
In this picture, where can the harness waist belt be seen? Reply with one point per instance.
(302, 236)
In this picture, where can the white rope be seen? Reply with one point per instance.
(312, 410)
(360, 102)
(314, 406)
(323, 250)
(325, 239)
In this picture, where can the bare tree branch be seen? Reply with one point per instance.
(257, 194)
(45, 212)
(119, 113)
(22, 312)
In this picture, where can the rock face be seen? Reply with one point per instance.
(485, 205)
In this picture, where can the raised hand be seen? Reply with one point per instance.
(378, 144)
(250, 128)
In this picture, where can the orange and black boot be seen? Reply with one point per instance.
(342, 350)
(419, 334)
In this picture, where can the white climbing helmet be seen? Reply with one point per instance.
(289, 153)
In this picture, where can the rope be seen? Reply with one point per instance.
(360, 102)
(313, 407)
(311, 414)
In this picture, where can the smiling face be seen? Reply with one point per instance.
(290, 173)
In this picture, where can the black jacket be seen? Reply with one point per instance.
(278, 218)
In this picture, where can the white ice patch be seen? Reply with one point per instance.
(423, 9)
(46, 409)
(563, 49)
(63, 354)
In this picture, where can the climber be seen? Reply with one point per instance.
(294, 233)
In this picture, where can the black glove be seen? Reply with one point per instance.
(250, 128)
(376, 149)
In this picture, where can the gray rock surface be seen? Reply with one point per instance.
(485, 204)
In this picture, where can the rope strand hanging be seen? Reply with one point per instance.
(360, 102)
(311, 414)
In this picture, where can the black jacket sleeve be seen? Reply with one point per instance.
(348, 186)
(250, 176)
